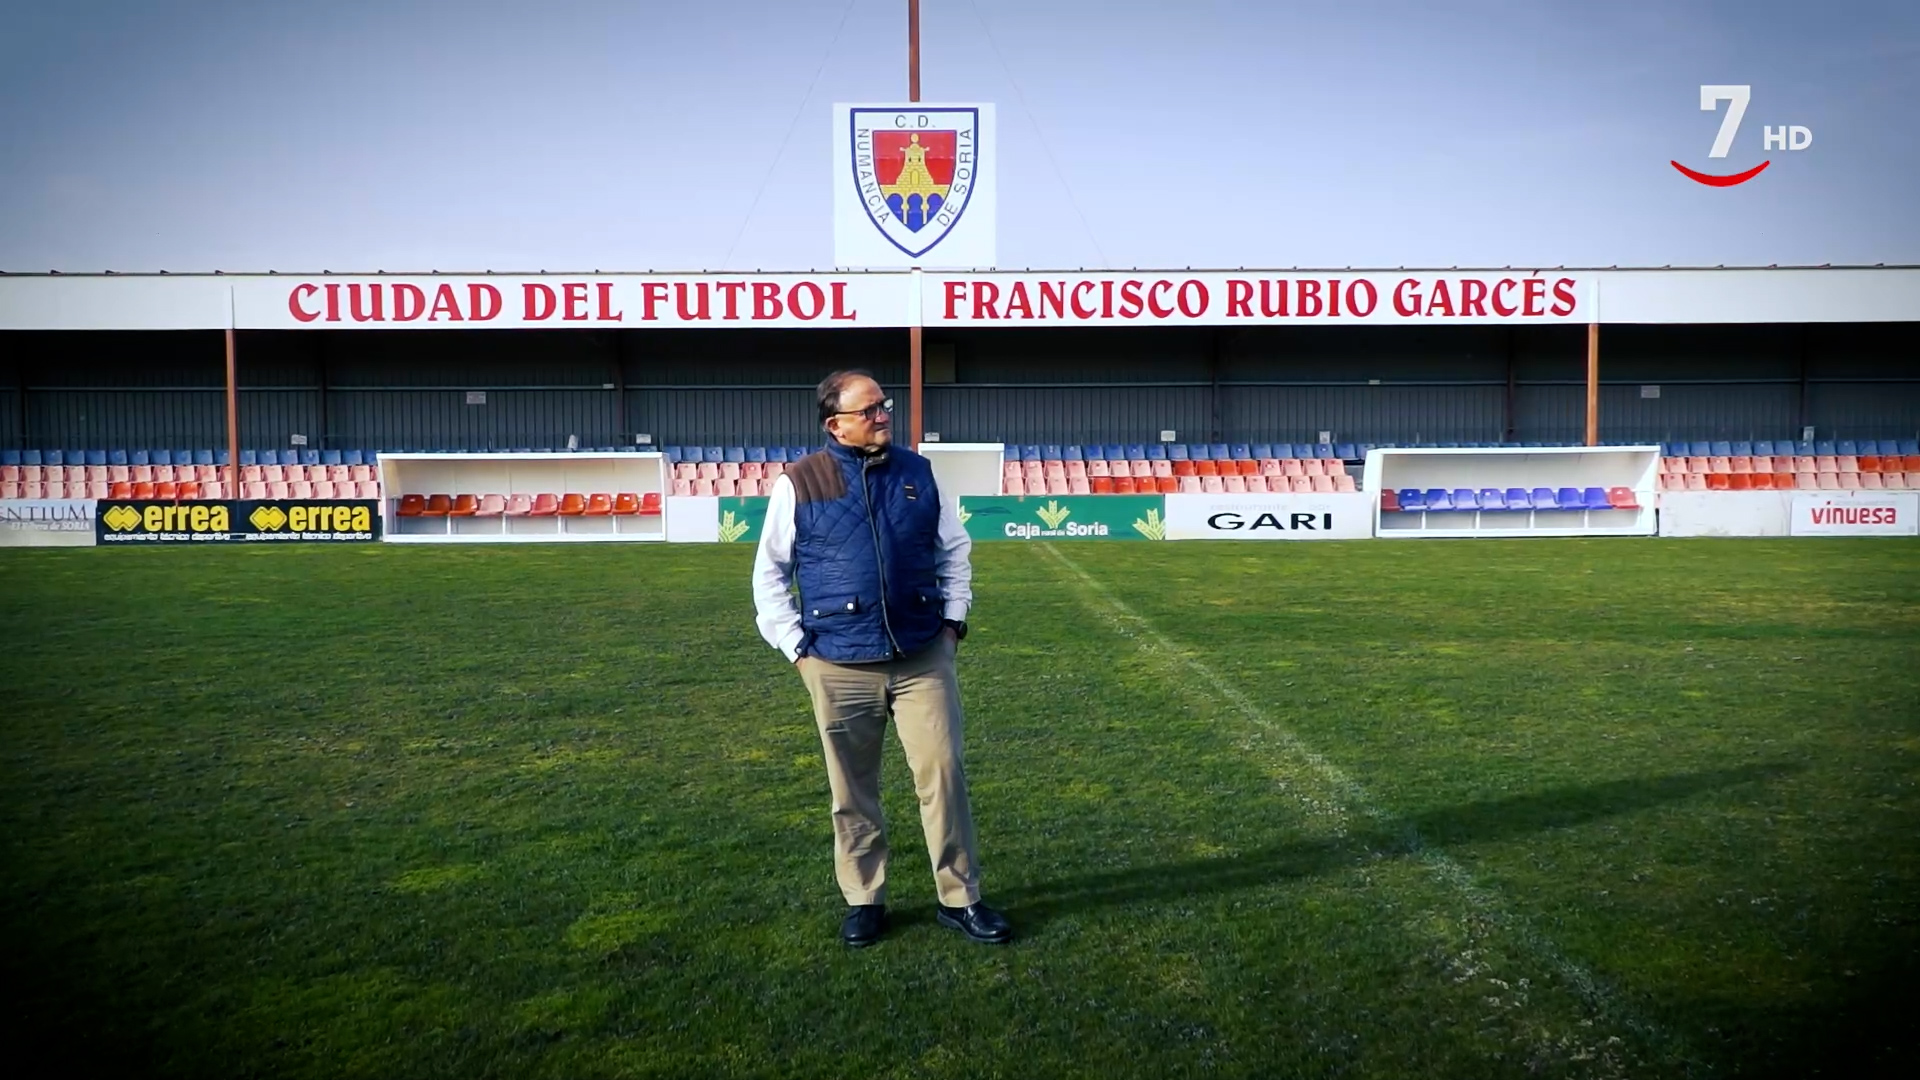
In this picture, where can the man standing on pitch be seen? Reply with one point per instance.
(884, 583)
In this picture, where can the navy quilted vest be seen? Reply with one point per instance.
(865, 545)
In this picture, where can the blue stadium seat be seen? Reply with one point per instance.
(736, 454)
(1346, 451)
(205, 457)
(1135, 451)
(161, 457)
(116, 457)
(1596, 499)
(1763, 447)
(137, 457)
(1909, 446)
(1519, 499)
(1466, 499)
(9, 457)
(1492, 499)
(1324, 452)
(1198, 452)
(96, 457)
(1439, 499)
(327, 457)
(777, 454)
(1742, 449)
(1260, 451)
(1570, 498)
(1845, 448)
(1700, 449)
(1050, 452)
(1868, 447)
(1543, 499)
(1721, 448)
(1153, 452)
(1412, 499)
(757, 455)
(692, 455)
(1029, 451)
(76, 457)
(1071, 453)
(53, 457)
(1176, 451)
(713, 455)
(310, 456)
(249, 457)
(1824, 448)
(220, 457)
(1112, 451)
(32, 457)
(358, 457)
(1010, 452)
(1219, 451)
(672, 454)
(1673, 449)
(1240, 452)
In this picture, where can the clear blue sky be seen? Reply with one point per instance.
(358, 135)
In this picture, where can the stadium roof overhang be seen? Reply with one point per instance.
(1026, 298)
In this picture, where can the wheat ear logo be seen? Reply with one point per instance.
(731, 529)
(1152, 527)
(1053, 514)
(965, 514)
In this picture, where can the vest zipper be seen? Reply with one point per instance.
(866, 496)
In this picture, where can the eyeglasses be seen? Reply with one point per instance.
(871, 412)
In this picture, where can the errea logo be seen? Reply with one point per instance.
(121, 518)
(268, 518)
(1792, 137)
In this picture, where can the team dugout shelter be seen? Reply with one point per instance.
(227, 366)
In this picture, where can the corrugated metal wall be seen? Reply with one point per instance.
(401, 389)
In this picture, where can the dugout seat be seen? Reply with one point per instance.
(545, 504)
(412, 505)
(599, 504)
(437, 506)
(464, 506)
(625, 503)
(572, 504)
(490, 506)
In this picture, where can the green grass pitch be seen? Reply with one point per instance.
(1606, 808)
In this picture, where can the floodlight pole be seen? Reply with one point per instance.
(915, 369)
(1593, 384)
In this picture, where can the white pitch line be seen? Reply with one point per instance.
(1484, 903)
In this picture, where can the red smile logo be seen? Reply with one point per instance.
(1785, 137)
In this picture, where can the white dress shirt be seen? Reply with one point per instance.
(776, 612)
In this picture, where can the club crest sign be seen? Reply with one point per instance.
(914, 186)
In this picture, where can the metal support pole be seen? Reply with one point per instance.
(1593, 384)
(233, 421)
(916, 373)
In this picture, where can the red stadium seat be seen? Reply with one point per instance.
(545, 505)
(1870, 481)
(166, 491)
(625, 503)
(1247, 467)
(1167, 485)
(1739, 482)
(463, 506)
(1189, 485)
(1211, 485)
(519, 505)
(490, 506)
(1102, 485)
(1123, 485)
(650, 504)
(412, 505)
(1208, 467)
(1740, 464)
(1783, 481)
(187, 489)
(1256, 485)
(121, 490)
(599, 504)
(1621, 498)
(1184, 468)
(1390, 500)
(1234, 485)
(1847, 463)
(1762, 481)
(1343, 482)
(682, 487)
(572, 504)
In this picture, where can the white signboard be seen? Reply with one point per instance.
(1332, 516)
(913, 185)
(1858, 515)
(46, 523)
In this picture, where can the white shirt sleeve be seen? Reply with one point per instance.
(775, 612)
(953, 566)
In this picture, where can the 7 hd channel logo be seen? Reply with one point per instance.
(1788, 137)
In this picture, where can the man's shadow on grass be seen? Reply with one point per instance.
(1034, 904)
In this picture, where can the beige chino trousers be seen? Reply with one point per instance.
(851, 703)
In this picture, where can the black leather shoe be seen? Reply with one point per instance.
(863, 925)
(977, 921)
